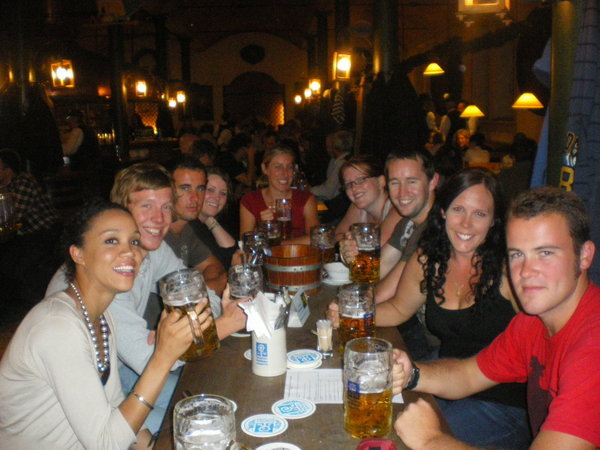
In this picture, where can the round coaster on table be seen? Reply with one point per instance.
(278, 446)
(294, 408)
(304, 359)
(248, 354)
(264, 425)
(240, 334)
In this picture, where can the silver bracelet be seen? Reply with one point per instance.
(143, 401)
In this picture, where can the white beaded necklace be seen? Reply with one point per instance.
(102, 365)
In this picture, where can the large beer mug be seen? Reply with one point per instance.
(365, 267)
(182, 290)
(204, 422)
(254, 243)
(323, 237)
(283, 213)
(272, 230)
(367, 376)
(357, 312)
(244, 281)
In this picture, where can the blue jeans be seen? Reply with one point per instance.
(487, 424)
(155, 419)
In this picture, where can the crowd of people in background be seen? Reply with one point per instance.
(444, 273)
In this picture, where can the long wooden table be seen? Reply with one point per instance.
(229, 374)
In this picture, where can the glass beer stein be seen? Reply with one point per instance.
(323, 238)
(367, 378)
(183, 290)
(365, 267)
(357, 312)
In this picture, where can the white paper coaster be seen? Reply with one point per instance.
(293, 408)
(278, 446)
(248, 354)
(304, 359)
(264, 425)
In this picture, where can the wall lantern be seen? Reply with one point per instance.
(527, 101)
(62, 73)
(315, 86)
(141, 88)
(172, 103)
(470, 7)
(307, 93)
(471, 111)
(180, 96)
(433, 69)
(342, 63)
(297, 99)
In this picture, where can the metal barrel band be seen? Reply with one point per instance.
(306, 287)
(293, 269)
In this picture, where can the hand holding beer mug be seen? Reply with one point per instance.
(283, 212)
(356, 312)
(182, 290)
(368, 387)
(365, 267)
(244, 281)
(272, 230)
(323, 237)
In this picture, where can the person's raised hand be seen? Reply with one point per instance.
(231, 310)
(267, 214)
(333, 314)
(348, 248)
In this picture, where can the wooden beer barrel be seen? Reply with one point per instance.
(294, 266)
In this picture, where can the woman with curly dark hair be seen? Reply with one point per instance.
(459, 274)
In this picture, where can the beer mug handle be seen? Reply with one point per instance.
(195, 326)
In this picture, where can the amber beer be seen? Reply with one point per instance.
(327, 254)
(211, 339)
(355, 327)
(367, 414)
(365, 267)
(286, 227)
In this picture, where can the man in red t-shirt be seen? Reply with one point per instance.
(554, 345)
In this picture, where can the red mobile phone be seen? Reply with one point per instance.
(376, 444)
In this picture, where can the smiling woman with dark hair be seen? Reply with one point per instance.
(59, 382)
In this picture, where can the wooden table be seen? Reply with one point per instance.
(229, 374)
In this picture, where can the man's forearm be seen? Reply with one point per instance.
(215, 277)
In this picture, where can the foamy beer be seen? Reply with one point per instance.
(182, 290)
(323, 238)
(283, 212)
(367, 376)
(357, 312)
(365, 267)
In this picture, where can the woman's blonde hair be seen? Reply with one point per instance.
(137, 178)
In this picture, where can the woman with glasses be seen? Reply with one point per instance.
(363, 181)
(278, 167)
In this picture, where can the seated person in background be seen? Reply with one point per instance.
(27, 260)
(205, 151)
(476, 154)
(259, 205)
(185, 142)
(80, 143)
(553, 345)
(434, 142)
(339, 145)
(208, 229)
(460, 140)
(237, 161)
(146, 190)
(189, 176)
(364, 182)
(59, 386)
(459, 275)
